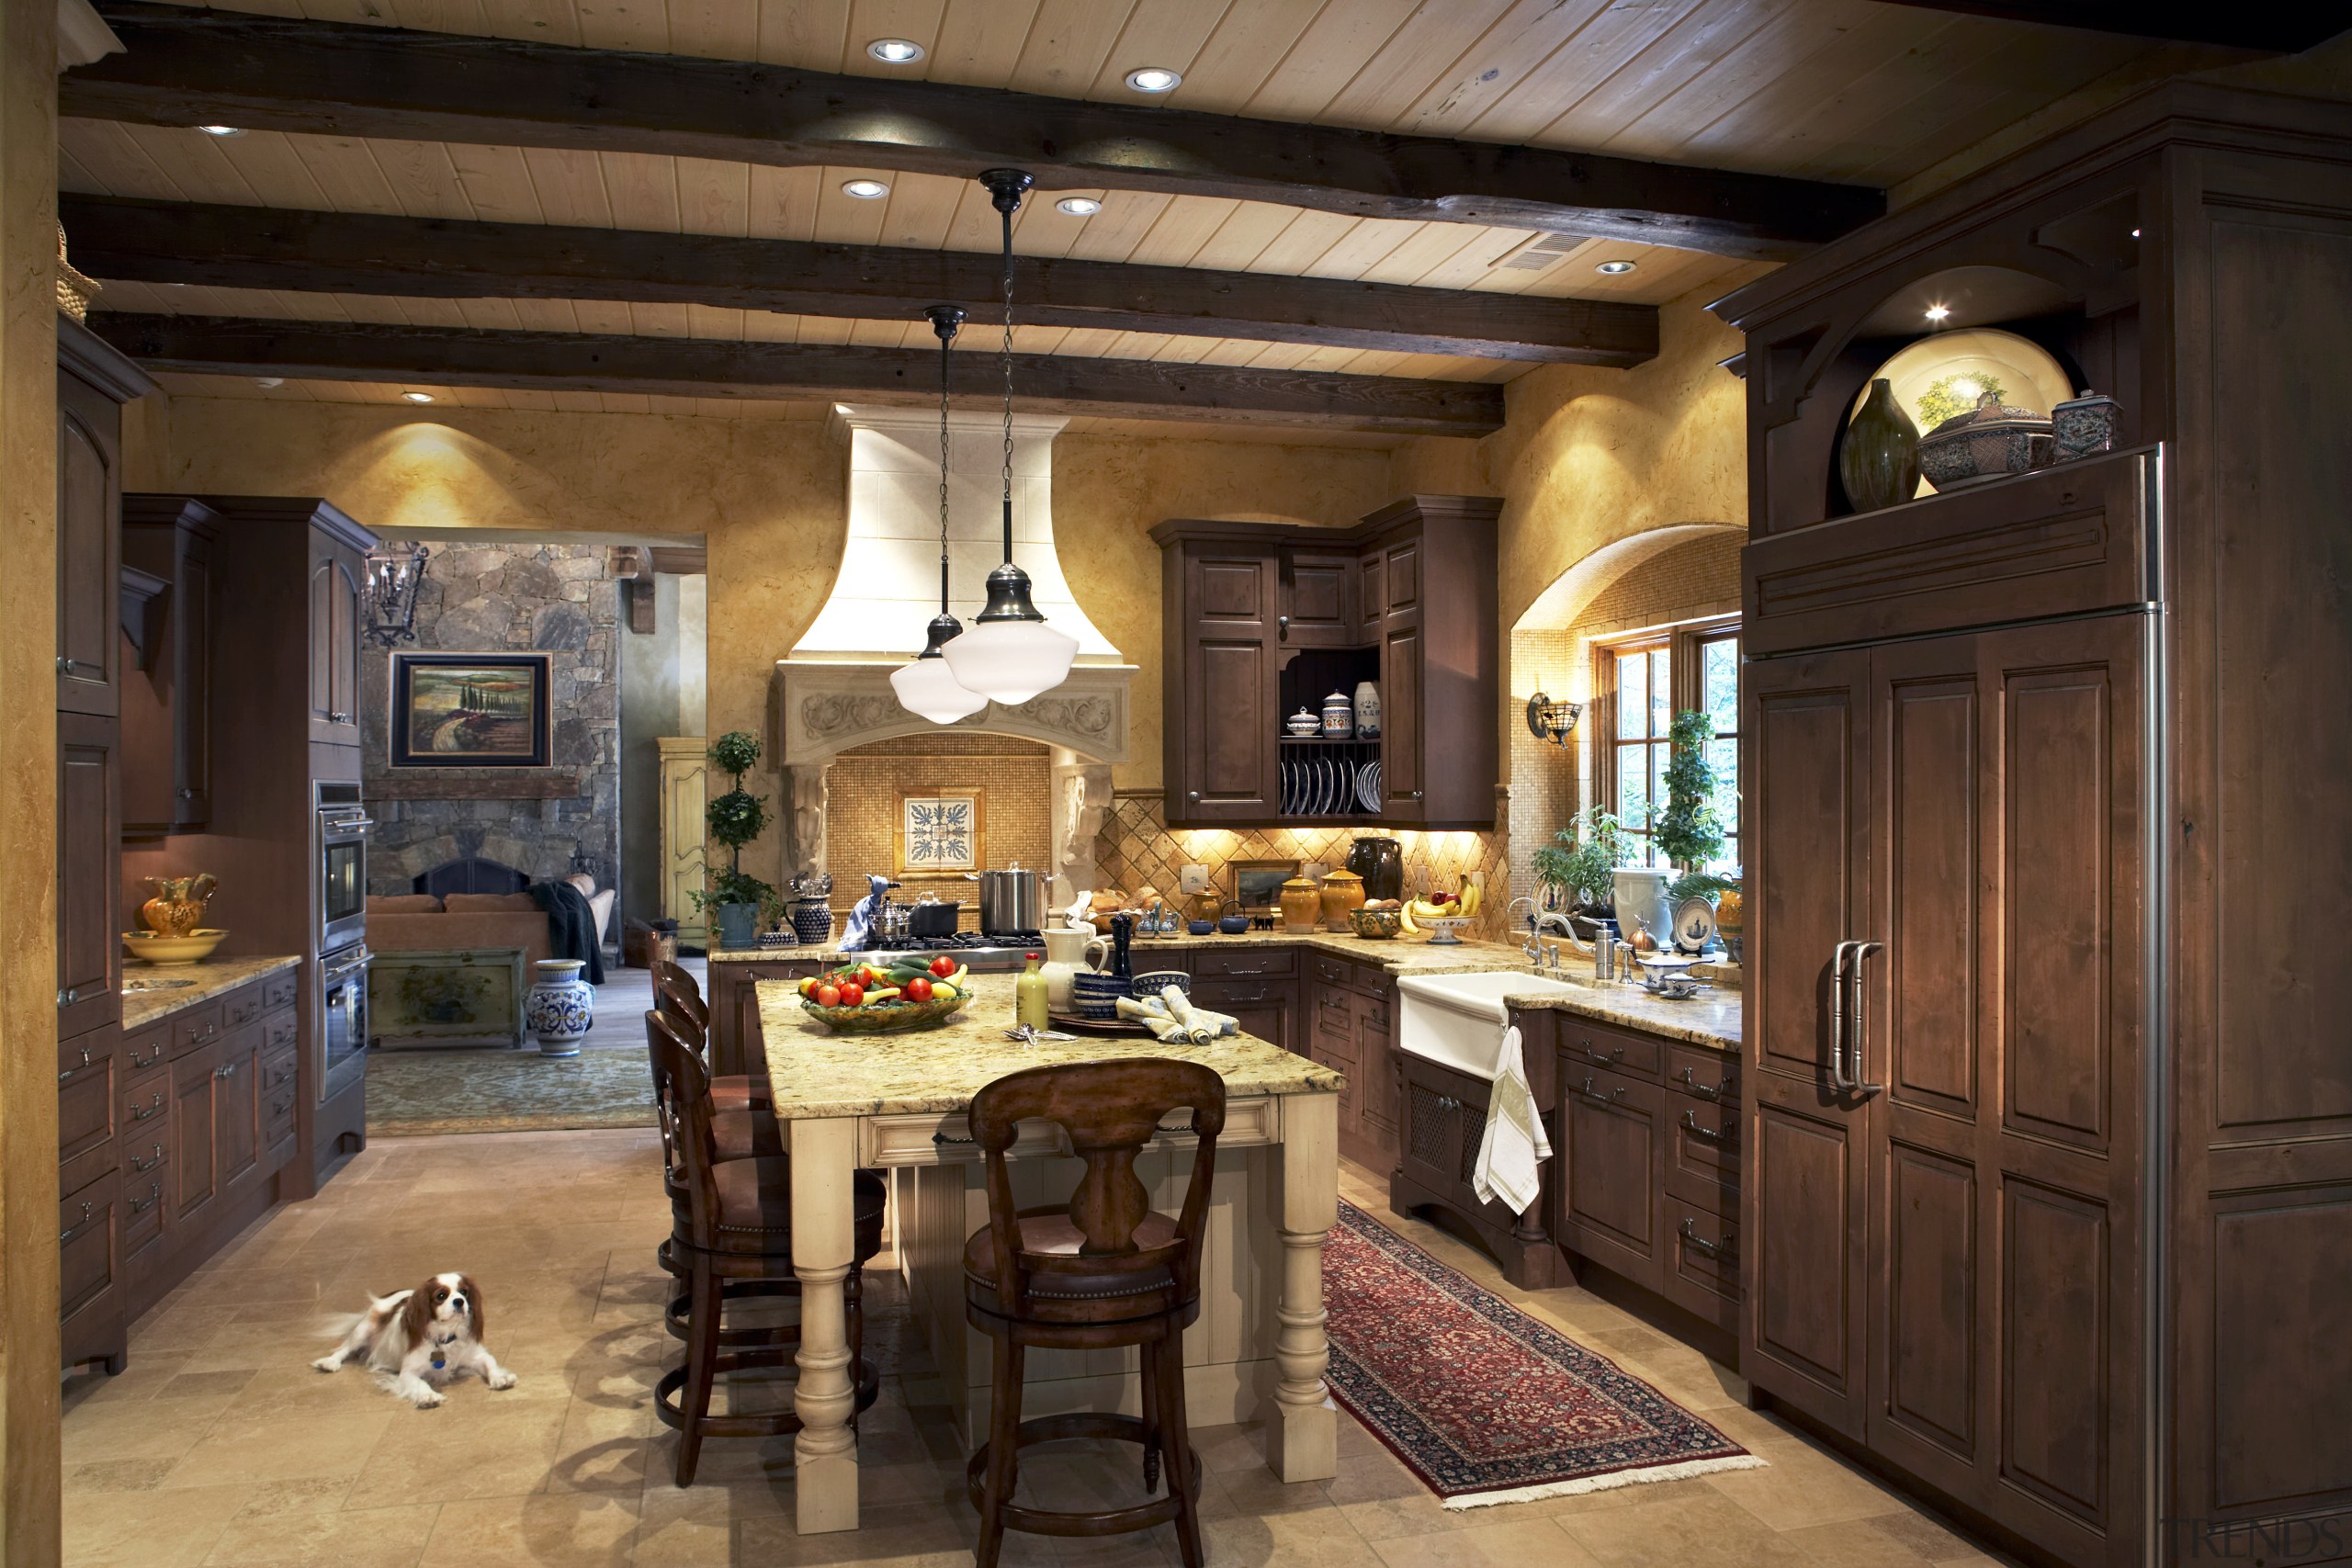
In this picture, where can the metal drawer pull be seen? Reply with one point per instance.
(280, 1107)
(227, 1071)
(155, 1193)
(944, 1138)
(1611, 1060)
(154, 1108)
(1706, 1134)
(71, 1071)
(70, 1232)
(1721, 1251)
(1691, 1086)
(150, 1059)
(67, 666)
(142, 1167)
(1612, 1098)
(210, 1031)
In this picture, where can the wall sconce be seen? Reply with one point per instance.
(393, 578)
(1553, 721)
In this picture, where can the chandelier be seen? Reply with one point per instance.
(394, 574)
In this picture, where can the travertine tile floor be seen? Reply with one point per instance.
(221, 1446)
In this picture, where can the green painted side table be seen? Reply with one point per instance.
(446, 994)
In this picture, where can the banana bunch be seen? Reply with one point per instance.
(1418, 912)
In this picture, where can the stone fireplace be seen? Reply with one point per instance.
(833, 693)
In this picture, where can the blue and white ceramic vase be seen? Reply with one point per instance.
(812, 920)
(560, 1008)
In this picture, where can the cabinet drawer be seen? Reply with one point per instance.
(147, 1048)
(196, 1027)
(87, 1222)
(146, 1155)
(146, 1104)
(1702, 1265)
(1701, 1150)
(1584, 1043)
(279, 1031)
(1610, 1133)
(277, 1097)
(142, 1211)
(1326, 970)
(1224, 995)
(1335, 1011)
(1250, 963)
(281, 991)
(241, 1006)
(1711, 1076)
(86, 1088)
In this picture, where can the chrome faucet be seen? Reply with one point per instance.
(1550, 955)
(1534, 947)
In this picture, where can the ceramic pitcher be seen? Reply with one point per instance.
(1068, 950)
(178, 907)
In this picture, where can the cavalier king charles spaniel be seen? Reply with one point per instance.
(421, 1338)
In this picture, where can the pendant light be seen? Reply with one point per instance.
(1011, 654)
(927, 687)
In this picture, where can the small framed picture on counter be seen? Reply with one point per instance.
(940, 832)
(470, 710)
(1259, 884)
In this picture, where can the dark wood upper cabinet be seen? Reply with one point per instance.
(168, 700)
(336, 571)
(93, 380)
(89, 940)
(1260, 620)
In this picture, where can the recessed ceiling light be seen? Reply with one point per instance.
(418, 397)
(1153, 79)
(220, 129)
(2135, 233)
(865, 190)
(1937, 312)
(1615, 268)
(895, 51)
(1078, 206)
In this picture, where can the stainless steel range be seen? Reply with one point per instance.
(992, 952)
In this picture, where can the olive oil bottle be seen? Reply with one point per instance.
(1029, 996)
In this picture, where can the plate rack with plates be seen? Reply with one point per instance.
(1330, 778)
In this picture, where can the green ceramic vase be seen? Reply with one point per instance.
(1879, 462)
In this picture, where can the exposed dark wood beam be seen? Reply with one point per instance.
(2273, 30)
(711, 369)
(247, 247)
(192, 67)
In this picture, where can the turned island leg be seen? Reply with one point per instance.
(825, 1453)
(1302, 1437)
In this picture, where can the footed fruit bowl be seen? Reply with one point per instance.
(885, 1018)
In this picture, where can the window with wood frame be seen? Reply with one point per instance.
(1639, 683)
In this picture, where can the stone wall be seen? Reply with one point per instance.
(501, 597)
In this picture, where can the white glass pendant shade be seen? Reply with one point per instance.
(928, 689)
(1011, 661)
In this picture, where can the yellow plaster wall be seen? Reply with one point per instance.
(28, 1348)
(766, 494)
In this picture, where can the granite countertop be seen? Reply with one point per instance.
(1711, 1019)
(209, 980)
(1402, 956)
(820, 1074)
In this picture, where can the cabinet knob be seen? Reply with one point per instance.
(223, 1072)
(1417, 794)
(187, 795)
(67, 666)
(69, 995)
(1194, 794)
(1282, 625)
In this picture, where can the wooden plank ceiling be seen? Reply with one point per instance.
(1841, 90)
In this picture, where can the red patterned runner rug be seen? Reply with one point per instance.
(1485, 1404)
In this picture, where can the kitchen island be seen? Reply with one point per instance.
(897, 1102)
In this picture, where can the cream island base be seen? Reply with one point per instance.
(896, 1103)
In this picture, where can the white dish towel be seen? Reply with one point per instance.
(1514, 1144)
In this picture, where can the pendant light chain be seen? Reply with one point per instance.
(946, 341)
(1008, 382)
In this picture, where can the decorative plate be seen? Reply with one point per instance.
(1694, 924)
(1942, 375)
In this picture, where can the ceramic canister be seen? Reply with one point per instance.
(1367, 709)
(1301, 906)
(1339, 716)
(1342, 891)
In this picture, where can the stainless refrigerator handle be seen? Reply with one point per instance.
(1862, 1029)
(1837, 1016)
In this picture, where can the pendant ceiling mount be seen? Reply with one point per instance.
(928, 687)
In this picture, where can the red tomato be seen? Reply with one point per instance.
(942, 966)
(872, 978)
(917, 990)
(829, 995)
(853, 994)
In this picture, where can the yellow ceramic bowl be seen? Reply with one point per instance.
(1376, 925)
(152, 947)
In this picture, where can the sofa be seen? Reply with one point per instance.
(407, 922)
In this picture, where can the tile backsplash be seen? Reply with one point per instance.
(1136, 847)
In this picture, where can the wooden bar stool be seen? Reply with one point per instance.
(747, 1133)
(1101, 1272)
(731, 1238)
(676, 994)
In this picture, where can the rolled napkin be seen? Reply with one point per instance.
(1514, 1144)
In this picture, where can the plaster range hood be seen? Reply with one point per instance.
(832, 691)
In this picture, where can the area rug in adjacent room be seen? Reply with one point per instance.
(414, 1092)
(1485, 1404)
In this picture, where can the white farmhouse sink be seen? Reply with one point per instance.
(1457, 1020)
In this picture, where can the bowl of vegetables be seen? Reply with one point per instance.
(887, 997)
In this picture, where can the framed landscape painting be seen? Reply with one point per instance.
(941, 831)
(470, 710)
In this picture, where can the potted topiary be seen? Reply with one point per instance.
(734, 896)
(1578, 864)
(1689, 832)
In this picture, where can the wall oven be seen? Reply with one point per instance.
(342, 1034)
(342, 866)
